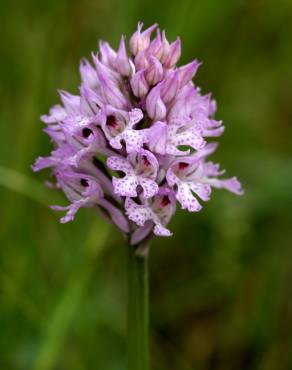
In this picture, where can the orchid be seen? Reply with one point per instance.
(135, 140)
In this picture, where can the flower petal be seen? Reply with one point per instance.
(160, 230)
(150, 187)
(186, 198)
(138, 213)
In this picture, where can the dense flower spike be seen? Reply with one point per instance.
(133, 142)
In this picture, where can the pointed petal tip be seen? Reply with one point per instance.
(150, 29)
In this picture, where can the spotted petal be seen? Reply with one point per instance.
(142, 213)
(127, 186)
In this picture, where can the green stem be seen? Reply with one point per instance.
(138, 311)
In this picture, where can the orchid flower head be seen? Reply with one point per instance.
(135, 142)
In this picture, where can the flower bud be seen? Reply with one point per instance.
(157, 138)
(105, 70)
(139, 84)
(107, 54)
(122, 61)
(187, 72)
(140, 41)
(174, 54)
(163, 50)
(88, 74)
(141, 60)
(70, 102)
(154, 72)
(110, 87)
(170, 86)
(154, 104)
(155, 44)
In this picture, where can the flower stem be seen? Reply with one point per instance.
(138, 311)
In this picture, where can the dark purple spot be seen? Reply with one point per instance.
(145, 161)
(182, 165)
(165, 201)
(111, 121)
(86, 132)
(84, 182)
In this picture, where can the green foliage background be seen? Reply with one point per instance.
(221, 296)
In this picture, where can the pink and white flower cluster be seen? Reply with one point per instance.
(134, 141)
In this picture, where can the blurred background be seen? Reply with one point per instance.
(221, 296)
